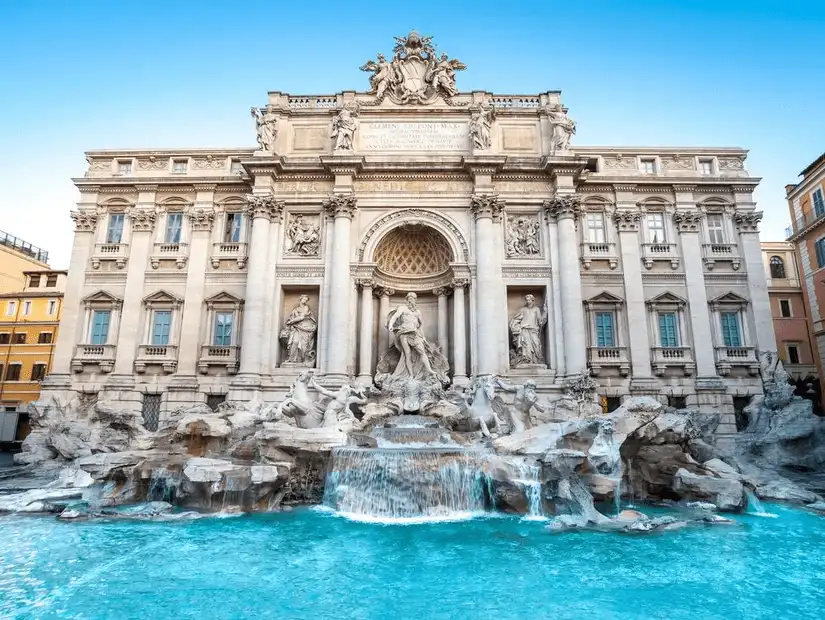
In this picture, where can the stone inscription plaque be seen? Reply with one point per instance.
(414, 137)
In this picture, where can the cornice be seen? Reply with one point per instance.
(89, 189)
(521, 272)
(411, 176)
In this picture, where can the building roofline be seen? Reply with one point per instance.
(32, 294)
(814, 164)
(42, 271)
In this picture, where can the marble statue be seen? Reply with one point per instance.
(300, 406)
(304, 236)
(480, 407)
(344, 126)
(338, 413)
(563, 128)
(267, 131)
(298, 334)
(481, 121)
(382, 76)
(524, 400)
(405, 325)
(525, 328)
(522, 237)
(441, 74)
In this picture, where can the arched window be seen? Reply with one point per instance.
(777, 267)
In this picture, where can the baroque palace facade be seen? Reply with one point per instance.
(199, 275)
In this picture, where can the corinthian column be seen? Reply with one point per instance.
(365, 344)
(459, 333)
(383, 293)
(342, 208)
(487, 209)
(747, 225)
(441, 295)
(262, 209)
(565, 209)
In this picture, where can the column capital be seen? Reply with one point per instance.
(142, 220)
(441, 291)
(460, 283)
(486, 205)
(383, 291)
(265, 206)
(84, 221)
(365, 283)
(201, 219)
(748, 222)
(563, 206)
(627, 221)
(687, 220)
(341, 205)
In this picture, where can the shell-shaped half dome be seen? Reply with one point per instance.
(413, 251)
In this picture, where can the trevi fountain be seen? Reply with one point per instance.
(422, 491)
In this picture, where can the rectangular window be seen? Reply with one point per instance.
(793, 354)
(27, 308)
(706, 166)
(656, 228)
(20, 338)
(174, 224)
(5, 338)
(785, 308)
(151, 411)
(179, 166)
(235, 168)
(730, 329)
(34, 281)
(52, 307)
(124, 168)
(649, 166)
(161, 321)
(595, 228)
(234, 227)
(605, 334)
(668, 329)
(716, 228)
(13, 372)
(38, 372)
(223, 328)
(51, 281)
(213, 401)
(100, 327)
(11, 308)
(44, 338)
(819, 203)
(115, 232)
(819, 247)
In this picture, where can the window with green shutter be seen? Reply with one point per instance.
(668, 333)
(605, 333)
(730, 329)
(160, 327)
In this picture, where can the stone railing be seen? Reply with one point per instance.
(169, 251)
(516, 101)
(672, 356)
(165, 355)
(219, 355)
(608, 357)
(101, 354)
(652, 252)
(118, 252)
(591, 251)
(730, 357)
(235, 251)
(313, 102)
(714, 252)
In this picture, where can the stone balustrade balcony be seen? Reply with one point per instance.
(103, 355)
(680, 357)
(229, 250)
(667, 252)
(713, 253)
(117, 252)
(733, 357)
(164, 355)
(591, 251)
(601, 358)
(177, 252)
(219, 356)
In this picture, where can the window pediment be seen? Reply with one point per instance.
(162, 299)
(102, 299)
(604, 300)
(729, 300)
(666, 299)
(223, 300)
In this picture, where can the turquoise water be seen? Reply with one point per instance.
(311, 564)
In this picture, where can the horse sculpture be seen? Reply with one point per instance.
(482, 407)
(300, 406)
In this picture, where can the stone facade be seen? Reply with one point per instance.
(643, 264)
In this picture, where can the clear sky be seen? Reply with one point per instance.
(78, 75)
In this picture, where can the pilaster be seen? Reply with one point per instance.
(342, 208)
(747, 226)
(366, 330)
(459, 333)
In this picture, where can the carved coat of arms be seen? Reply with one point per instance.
(416, 74)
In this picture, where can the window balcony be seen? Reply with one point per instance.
(219, 356)
(680, 357)
(600, 358)
(591, 251)
(235, 251)
(736, 357)
(652, 252)
(176, 252)
(715, 252)
(117, 252)
(101, 354)
(165, 355)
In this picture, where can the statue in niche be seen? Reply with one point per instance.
(298, 334)
(344, 126)
(267, 131)
(304, 236)
(481, 121)
(525, 328)
(563, 128)
(522, 237)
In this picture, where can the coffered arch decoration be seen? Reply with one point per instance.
(655, 204)
(174, 203)
(595, 202)
(413, 250)
(716, 204)
(449, 230)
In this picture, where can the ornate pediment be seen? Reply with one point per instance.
(667, 299)
(416, 74)
(162, 298)
(223, 299)
(102, 298)
(604, 299)
(728, 299)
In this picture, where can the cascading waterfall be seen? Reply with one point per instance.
(529, 480)
(405, 483)
(755, 506)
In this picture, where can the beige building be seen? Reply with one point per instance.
(189, 266)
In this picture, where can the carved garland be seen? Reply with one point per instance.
(83, 221)
(748, 222)
(414, 216)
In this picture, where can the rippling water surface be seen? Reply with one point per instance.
(311, 564)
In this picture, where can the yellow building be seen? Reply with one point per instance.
(16, 257)
(28, 331)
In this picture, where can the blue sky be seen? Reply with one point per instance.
(82, 75)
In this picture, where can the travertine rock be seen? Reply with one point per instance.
(727, 494)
